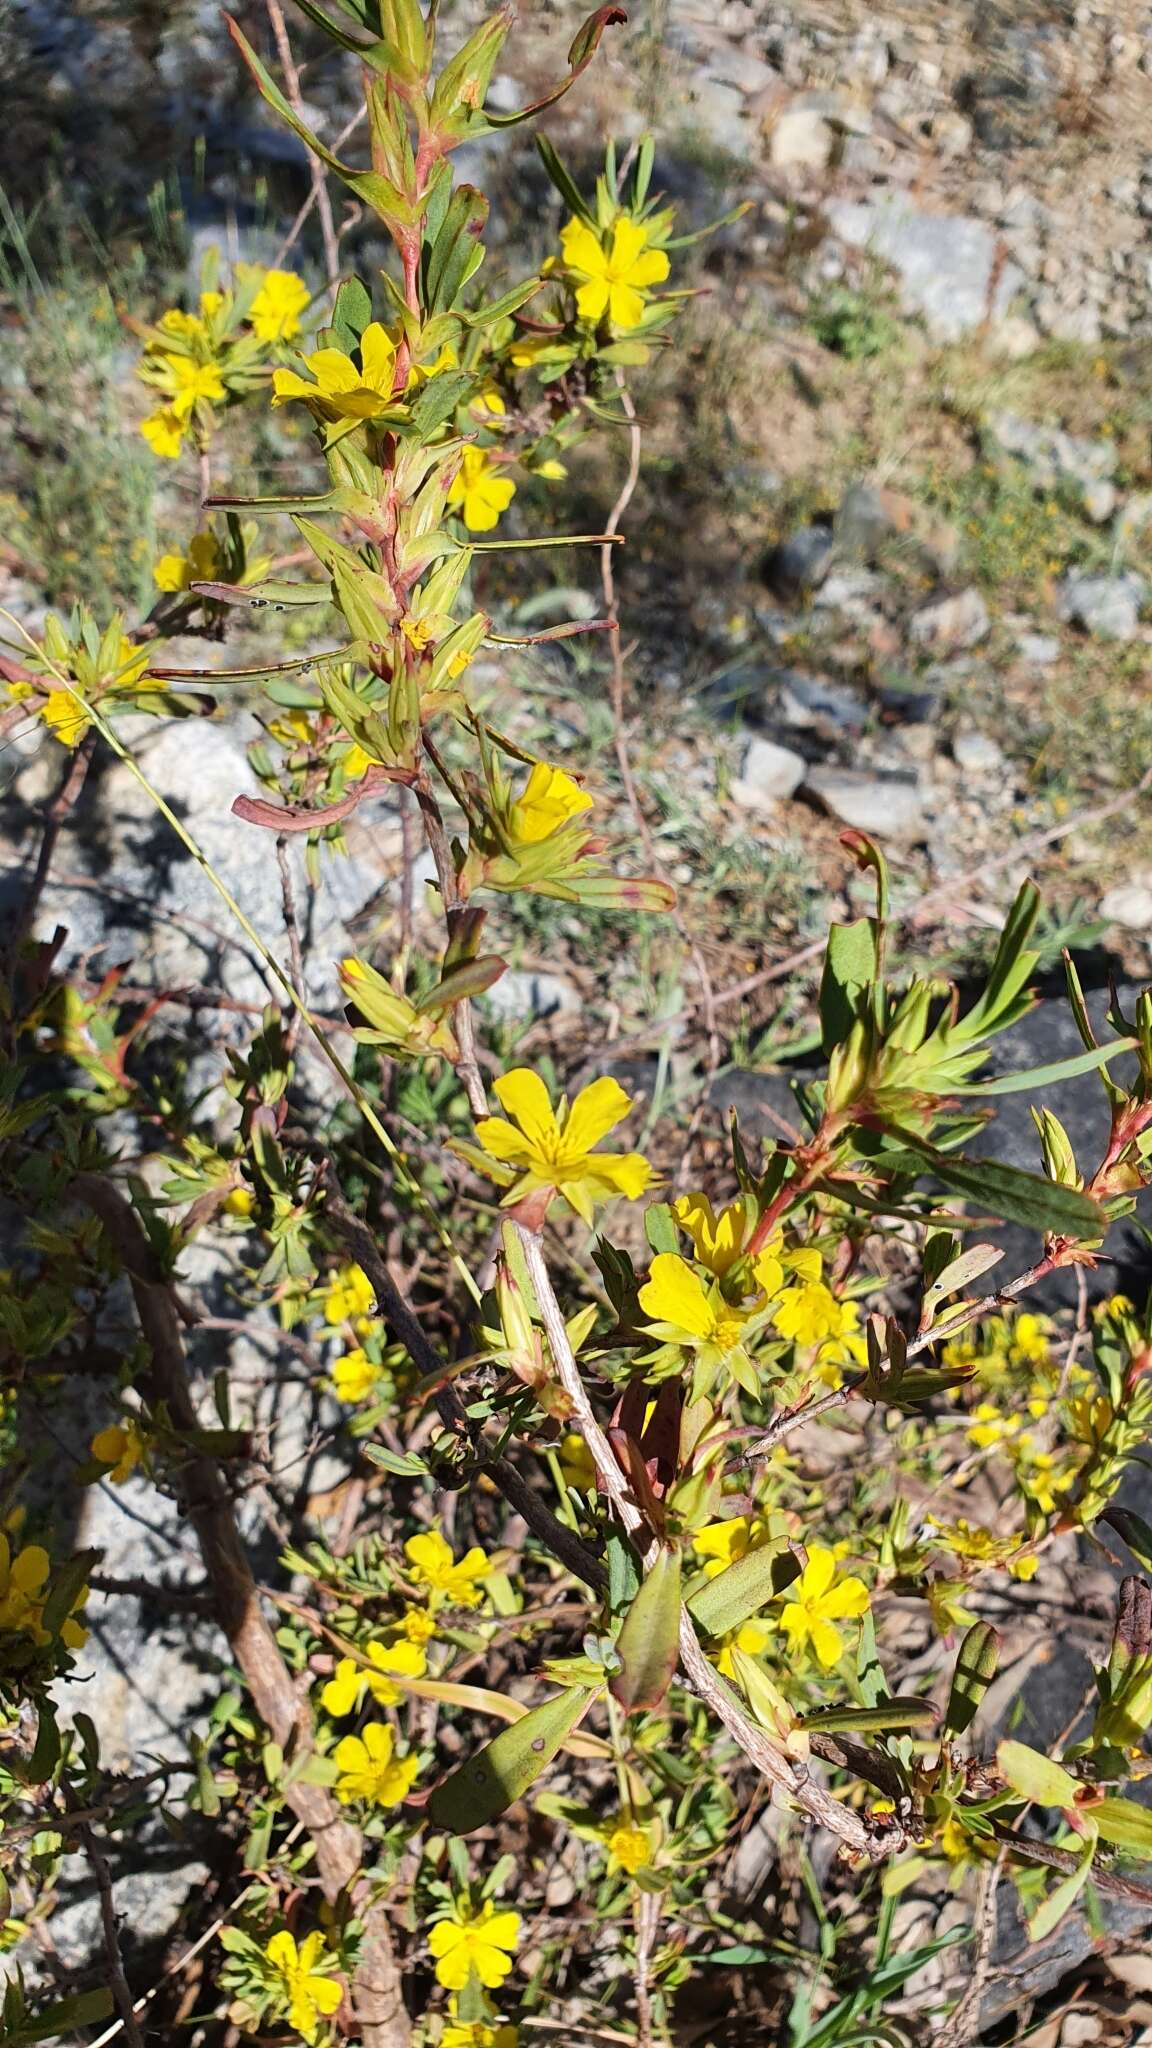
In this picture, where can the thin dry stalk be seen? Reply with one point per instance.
(316, 169)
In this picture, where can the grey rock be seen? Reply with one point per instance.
(1100, 501)
(951, 623)
(854, 592)
(1039, 649)
(768, 772)
(948, 265)
(951, 132)
(813, 704)
(976, 753)
(765, 1103)
(1128, 904)
(1053, 457)
(863, 522)
(522, 995)
(885, 805)
(1048, 1034)
(800, 563)
(801, 140)
(1107, 606)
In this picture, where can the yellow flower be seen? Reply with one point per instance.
(683, 1311)
(122, 1447)
(629, 1847)
(718, 1241)
(418, 1625)
(752, 1637)
(546, 1148)
(202, 562)
(311, 1996)
(355, 1376)
(1041, 1480)
(339, 388)
(369, 1771)
(725, 1543)
(192, 382)
(980, 1547)
(989, 1427)
(615, 278)
(67, 719)
(946, 1606)
(816, 1601)
(481, 1941)
(164, 432)
(480, 492)
(276, 309)
(239, 1202)
(350, 1294)
(550, 800)
(22, 1577)
(477, 2033)
(809, 1314)
(577, 1464)
(351, 1681)
(433, 1565)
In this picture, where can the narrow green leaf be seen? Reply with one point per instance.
(1125, 1824)
(504, 1769)
(660, 1227)
(564, 182)
(1009, 1191)
(897, 1712)
(976, 1662)
(1052, 1909)
(1046, 1077)
(649, 1641)
(743, 1588)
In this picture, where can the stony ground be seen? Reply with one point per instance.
(888, 566)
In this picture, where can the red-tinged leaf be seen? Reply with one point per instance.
(583, 49)
(649, 1642)
(256, 810)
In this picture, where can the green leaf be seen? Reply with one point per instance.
(976, 1662)
(743, 1588)
(83, 2009)
(277, 596)
(564, 182)
(896, 1712)
(623, 1570)
(504, 1769)
(850, 968)
(1009, 1191)
(1136, 1532)
(351, 314)
(1052, 1909)
(1058, 1070)
(660, 1227)
(649, 1641)
(1037, 1777)
(437, 401)
(405, 1464)
(457, 251)
(1125, 1824)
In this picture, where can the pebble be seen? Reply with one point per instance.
(950, 266)
(955, 622)
(801, 139)
(800, 563)
(870, 803)
(815, 704)
(977, 753)
(1106, 606)
(1039, 650)
(524, 993)
(1128, 904)
(768, 772)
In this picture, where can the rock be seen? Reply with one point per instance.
(950, 266)
(1100, 501)
(768, 773)
(864, 521)
(888, 806)
(1015, 338)
(951, 623)
(813, 704)
(765, 1103)
(528, 994)
(1107, 606)
(801, 140)
(1129, 904)
(1053, 457)
(976, 753)
(798, 564)
(1039, 649)
(951, 132)
(1046, 1035)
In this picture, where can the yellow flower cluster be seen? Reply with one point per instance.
(811, 1605)
(25, 1576)
(197, 361)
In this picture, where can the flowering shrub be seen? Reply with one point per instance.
(579, 1512)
